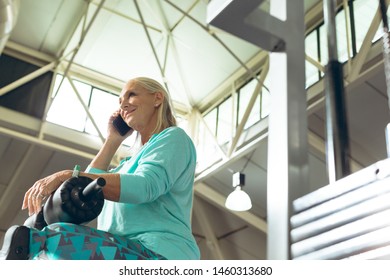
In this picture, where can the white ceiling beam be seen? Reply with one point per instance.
(8, 196)
(374, 64)
(348, 33)
(27, 54)
(34, 140)
(205, 224)
(86, 109)
(52, 64)
(70, 34)
(315, 63)
(122, 15)
(28, 78)
(257, 91)
(80, 42)
(315, 100)
(172, 44)
(360, 58)
(162, 70)
(224, 163)
(312, 18)
(40, 59)
(235, 80)
(210, 32)
(48, 103)
(210, 134)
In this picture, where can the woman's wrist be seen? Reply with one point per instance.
(114, 141)
(64, 175)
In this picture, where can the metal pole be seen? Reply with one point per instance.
(337, 142)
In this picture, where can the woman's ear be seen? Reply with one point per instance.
(158, 99)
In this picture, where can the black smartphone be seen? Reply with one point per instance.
(120, 125)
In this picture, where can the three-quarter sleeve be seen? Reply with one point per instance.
(162, 162)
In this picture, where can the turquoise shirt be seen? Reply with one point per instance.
(156, 196)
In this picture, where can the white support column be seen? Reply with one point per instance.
(287, 144)
(281, 33)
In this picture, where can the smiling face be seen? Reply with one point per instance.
(139, 108)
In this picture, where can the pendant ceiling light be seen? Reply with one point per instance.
(238, 200)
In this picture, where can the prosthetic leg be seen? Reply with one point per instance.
(16, 243)
(78, 200)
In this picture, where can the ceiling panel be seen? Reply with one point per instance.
(46, 25)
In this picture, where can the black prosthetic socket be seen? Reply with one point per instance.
(78, 200)
(16, 244)
(36, 221)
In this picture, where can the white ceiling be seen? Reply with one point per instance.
(196, 61)
(117, 45)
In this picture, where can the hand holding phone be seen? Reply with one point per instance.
(120, 125)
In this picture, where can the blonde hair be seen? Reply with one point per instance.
(165, 112)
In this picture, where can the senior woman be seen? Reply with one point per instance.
(148, 197)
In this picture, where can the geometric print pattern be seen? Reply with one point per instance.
(66, 241)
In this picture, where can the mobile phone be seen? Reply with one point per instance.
(120, 125)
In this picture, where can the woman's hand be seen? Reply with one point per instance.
(113, 141)
(112, 131)
(42, 189)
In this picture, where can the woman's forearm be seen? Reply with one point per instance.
(103, 158)
(112, 188)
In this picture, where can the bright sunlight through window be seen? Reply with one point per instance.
(67, 108)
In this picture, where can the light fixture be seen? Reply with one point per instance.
(238, 200)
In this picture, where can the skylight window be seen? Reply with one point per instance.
(68, 110)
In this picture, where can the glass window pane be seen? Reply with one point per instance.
(265, 103)
(211, 121)
(342, 42)
(66, 108)
(102, 105)
(364, 12)
(254, 116)
(207, 152)
(323, 45)
(225, 121)
(311, 48)
(266, 99)
(380, 31)
(341, 37)
(378, 34)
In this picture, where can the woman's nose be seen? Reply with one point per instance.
(124, 105)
